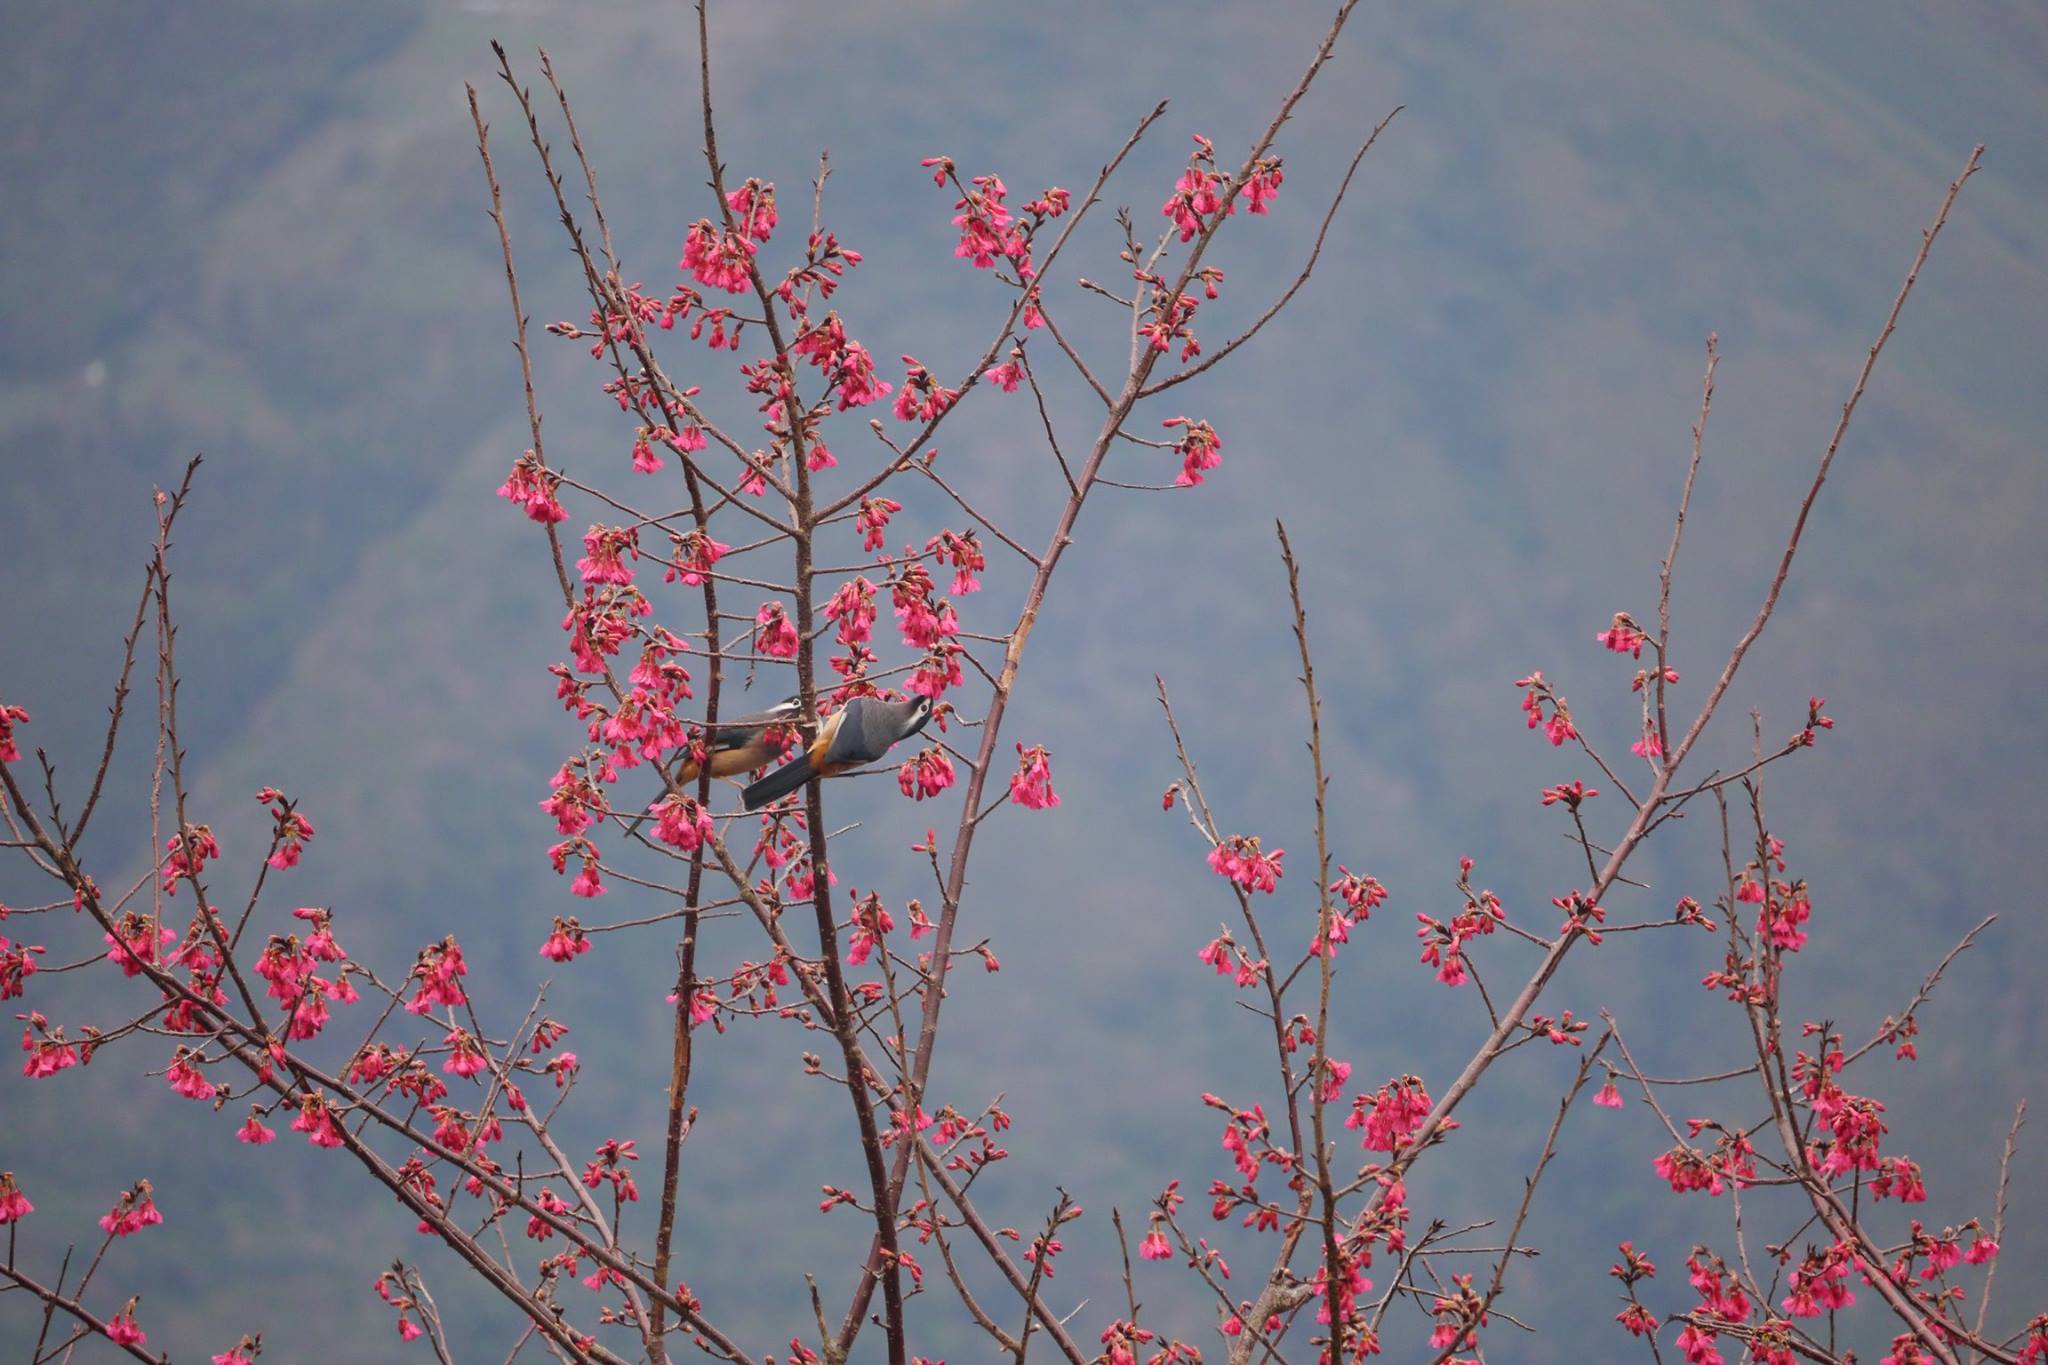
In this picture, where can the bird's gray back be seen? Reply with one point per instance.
(870, 727)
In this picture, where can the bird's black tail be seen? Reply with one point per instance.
(779, 783)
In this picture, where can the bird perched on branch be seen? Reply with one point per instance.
(745, 743)
(857, 734)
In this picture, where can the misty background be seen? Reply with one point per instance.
(259, 232)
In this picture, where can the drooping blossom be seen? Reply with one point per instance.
(1031, 784)
(135, 1211)
(693, 557)
(872, 521)
(1390, 1115)
(605, 552)
(928, 774)
(533, 487)
(717, 256)
(681, 822)
(753, 206)
(293, 829)
(1199, 447)
(963, 551)
(439, 971)
(774, 633)
(939, 671)
(10, 716)
(1623, 636)
(922, 397)
(14, 1204)
(186, 1078)
(316, 1121)
(1240, 859)
(465, 1055)
(566, 942)
(122, 1329)
(189, 850)
(17, 964)
(852, 609)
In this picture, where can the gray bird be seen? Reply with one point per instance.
(745, 743)
(857, 734)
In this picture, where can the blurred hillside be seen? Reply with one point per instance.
(259, 232)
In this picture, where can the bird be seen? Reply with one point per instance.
(859, 733)
(744, 743)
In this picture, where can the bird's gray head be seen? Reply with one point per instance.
(920, 713)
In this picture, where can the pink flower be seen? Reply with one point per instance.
(122, 1331)
(1363, 894)
(774, 635)
(1637, 1319)
(130, 948)
(1239, 859)
(567, 942)
(605, 551)
(1698, 1346)
(853, 608)
(135, 1211)
(13, 1203)
(680, 822)
(316, 1121)
(1031, 784)
(1154, 1247)
(872, 521)
(189, 850)
(963, 552)
(466, 1057)
(694, 556)
(939, 671)
(439, 972)
(255, 1131)
(2035, 1349)
(871, 924)
(1199, 449)
(1622, 637)
(1005, 376)
(1263, 185)
(753, 205)
(924, 619)
(17, 965)
(855, 378)
(1194, 195)
(1905, 1351)
(534, 486)
(718, 257)
(293, 830)
(987, 229)
(1391, 1115)
(928, 774)
(47, 1055)
(922, 398)
(186, 1079)
(1609, 1096)
(10, 716)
